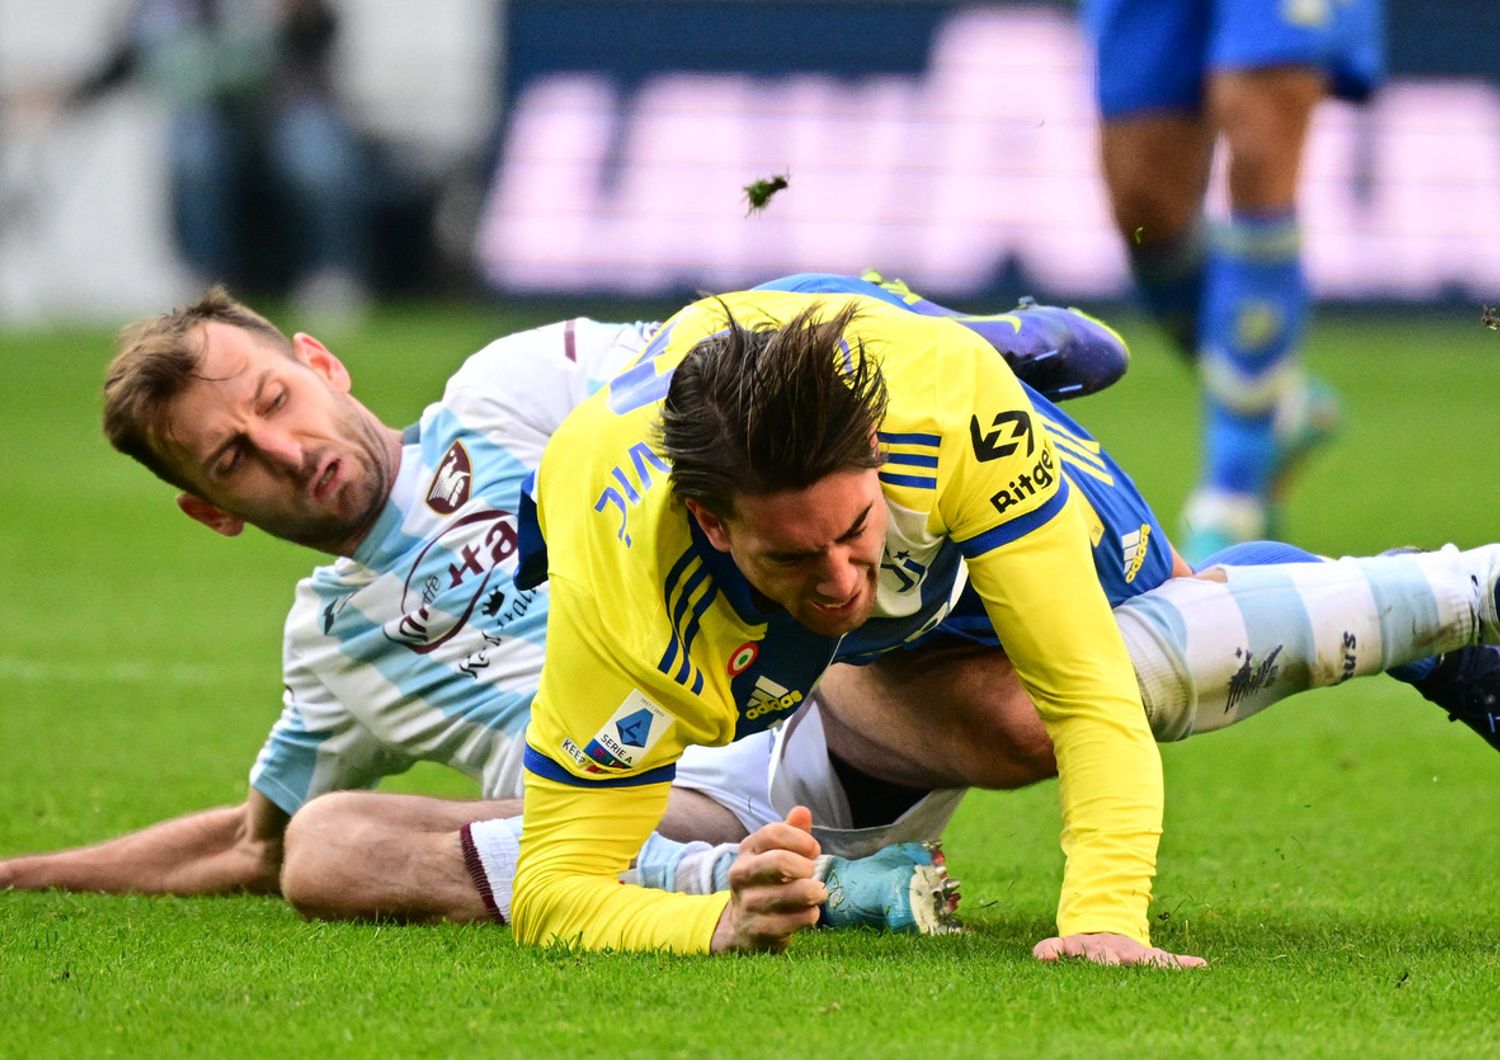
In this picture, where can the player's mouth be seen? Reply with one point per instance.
(844, 607)
(837, 609)
(849, 612)
(327, 480)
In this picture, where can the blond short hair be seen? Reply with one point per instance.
(157, 359)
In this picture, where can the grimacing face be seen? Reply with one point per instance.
(815, 551)
(278, 442)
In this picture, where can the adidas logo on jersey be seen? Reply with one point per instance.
(1136, 546)
(769, 698)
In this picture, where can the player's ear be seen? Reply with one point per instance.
(712, 526)
(320, 359)
(215, 518)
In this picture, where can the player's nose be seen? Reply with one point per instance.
(838, 577)
(279, 448)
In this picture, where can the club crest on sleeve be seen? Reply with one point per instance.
(450, 485)
(626, 738)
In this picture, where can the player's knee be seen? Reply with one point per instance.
(315, 865)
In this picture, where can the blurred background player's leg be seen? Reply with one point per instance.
(1255, 300)
(1175, 77)
(324, 174)
(205, 153)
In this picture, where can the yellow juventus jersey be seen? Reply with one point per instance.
(655, 640)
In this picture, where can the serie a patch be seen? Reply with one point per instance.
(626, 738)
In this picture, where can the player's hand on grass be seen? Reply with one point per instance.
(1104, 948)
(773, 893)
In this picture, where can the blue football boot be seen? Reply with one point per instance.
(1307, 418)
(1060, 353)
(903, 888)
(1466, 683)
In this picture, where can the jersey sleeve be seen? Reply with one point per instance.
(523, 386)
(1023, 533)
(601, 754)
(317, 746)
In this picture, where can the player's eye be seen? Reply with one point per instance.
(276, 402)
(228, 463)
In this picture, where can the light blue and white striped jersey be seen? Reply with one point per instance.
(420, 646)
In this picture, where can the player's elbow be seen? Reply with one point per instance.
(538, 911)
(527, 921)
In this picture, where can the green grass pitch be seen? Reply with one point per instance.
(1334, 859)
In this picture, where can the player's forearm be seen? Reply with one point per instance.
(1111, 793)
(1081, 678)
(575, 843)
(599, 913)
(202, 853)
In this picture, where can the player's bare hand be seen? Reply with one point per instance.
(1104, 948)
(773, 894)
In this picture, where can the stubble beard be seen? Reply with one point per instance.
(336, 532)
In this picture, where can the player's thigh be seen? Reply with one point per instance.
(1341, 40)
(943, 716)
(696, 815)
(1155, 142)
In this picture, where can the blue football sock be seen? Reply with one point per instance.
(1169, 277)
(690, 868)
(1254, 313)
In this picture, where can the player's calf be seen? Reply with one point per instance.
(341, 863)
(1210, 652)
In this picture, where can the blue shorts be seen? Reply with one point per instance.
(1157, 54)
(830, 283)
(1131, 556)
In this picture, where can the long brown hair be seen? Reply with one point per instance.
(771, 408)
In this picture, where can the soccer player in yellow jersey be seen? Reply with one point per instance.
(783, 481)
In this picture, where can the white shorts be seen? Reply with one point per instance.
(759, 779)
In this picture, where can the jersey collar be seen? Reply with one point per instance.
(386, 539)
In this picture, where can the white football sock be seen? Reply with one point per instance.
(1208, 654)
(687, 868)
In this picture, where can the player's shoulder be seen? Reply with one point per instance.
(560, 355)
(934, 369)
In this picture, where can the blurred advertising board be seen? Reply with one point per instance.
(950, 143)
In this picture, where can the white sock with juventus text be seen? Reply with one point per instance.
(1209, 654)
